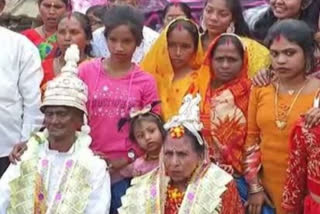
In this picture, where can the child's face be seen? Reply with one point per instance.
(121, 43)
(148, 136)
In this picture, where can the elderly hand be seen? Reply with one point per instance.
(256, 201)
(17, 152)
(312, 118)
(262, 78)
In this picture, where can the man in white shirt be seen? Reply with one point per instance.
(58, 173)
(99, 43)
(20, 96)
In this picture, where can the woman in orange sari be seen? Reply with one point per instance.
(226, 97)
(174, 60)
(274, 109)
(225, 105)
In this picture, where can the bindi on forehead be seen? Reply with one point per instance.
(229, 42)
(279, 39)
(179, 27)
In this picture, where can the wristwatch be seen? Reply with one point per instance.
(131, 155)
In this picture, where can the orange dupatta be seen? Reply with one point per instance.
(224, 113)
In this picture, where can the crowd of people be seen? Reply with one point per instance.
(102, 114)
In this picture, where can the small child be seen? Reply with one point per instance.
(146, 130)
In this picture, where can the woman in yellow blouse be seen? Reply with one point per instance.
(225, 16)
(274, 109)
(174, 61)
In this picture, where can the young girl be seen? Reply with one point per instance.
(115, 86)
(146, 130)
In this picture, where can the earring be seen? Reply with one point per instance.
(231, 28)
(308, 67)
(305, 4)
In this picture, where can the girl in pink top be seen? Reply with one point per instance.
(115, 86)
(146, 129)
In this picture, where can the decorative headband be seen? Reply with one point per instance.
(138, 112)
(188, 117)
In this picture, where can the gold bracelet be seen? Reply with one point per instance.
(255, 188)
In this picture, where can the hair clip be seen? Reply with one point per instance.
(135, 113)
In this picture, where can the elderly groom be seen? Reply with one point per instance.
(58, 173)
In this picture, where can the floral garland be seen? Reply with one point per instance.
(174, 200)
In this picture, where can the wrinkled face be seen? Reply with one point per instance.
(70, 32)
(288, 58)
(172, 13)
(95, 22)
(217, 16)
(181, 47)
(51, 11)
(148, 136)
(226, 62)
(284, 9)
(61, 122)
(121, 43)
(180, 159)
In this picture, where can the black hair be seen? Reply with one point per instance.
(226, 38)
(85, 24)
(149, 116)
(297, 32)
(197, 147)
(124, 15)
(188, 26)
(241, 27)
(64, 1)
(97, 10)
(183, 6)
(309, 15)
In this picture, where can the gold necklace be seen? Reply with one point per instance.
(281, 124)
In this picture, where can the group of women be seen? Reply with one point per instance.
(247, 129)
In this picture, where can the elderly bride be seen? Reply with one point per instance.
(185, 182)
